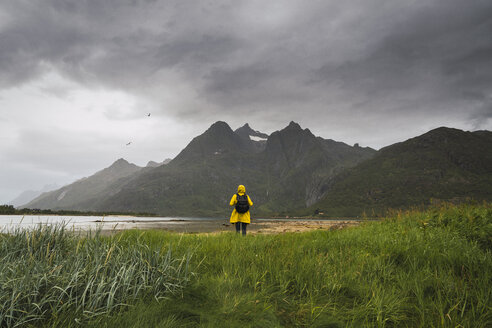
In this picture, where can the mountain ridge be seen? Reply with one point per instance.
(87, 188)
(444, 164)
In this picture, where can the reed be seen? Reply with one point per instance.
(48, 271)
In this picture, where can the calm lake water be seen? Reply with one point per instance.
(9, 222)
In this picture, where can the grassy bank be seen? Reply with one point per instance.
(413, 269)
(48, 274)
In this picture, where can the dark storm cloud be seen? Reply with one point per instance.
(450, 41)
(228, 82)
(129, 39)
(281, 56)
(206, 49)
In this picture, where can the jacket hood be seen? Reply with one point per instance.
(241, 189)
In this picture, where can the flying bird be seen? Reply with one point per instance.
(148, 114)
(128, 144)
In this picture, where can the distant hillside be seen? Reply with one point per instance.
(444, 164)
(28, 195)
(80, 194)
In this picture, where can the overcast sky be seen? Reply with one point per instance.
(77, 77)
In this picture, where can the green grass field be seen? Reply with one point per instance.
(413, 269)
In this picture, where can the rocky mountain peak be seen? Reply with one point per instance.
(217, 140)
(246, 132)
(253, 139)
(219, 126)
(294, 125)
(216, 132)
(295, 130)
(120, 163)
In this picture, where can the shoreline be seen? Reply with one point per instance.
(111, 225)
(218, 226)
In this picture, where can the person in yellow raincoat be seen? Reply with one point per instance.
(241, 220)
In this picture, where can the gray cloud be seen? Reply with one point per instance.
(446, 46)
(228, 57)
(367, 71)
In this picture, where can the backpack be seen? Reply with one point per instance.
(242, 205)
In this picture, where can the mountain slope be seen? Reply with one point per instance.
(301, 164)
(156, 164)
(77, 195)
(444, 164)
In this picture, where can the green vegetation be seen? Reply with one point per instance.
(413, 269)
(48, 272)
(442, 165)
(11, 210)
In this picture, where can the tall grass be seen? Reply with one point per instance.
(413, 269)
(47, 272)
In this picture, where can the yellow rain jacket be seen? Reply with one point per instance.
(240, 217)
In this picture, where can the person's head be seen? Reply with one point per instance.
(241, 189)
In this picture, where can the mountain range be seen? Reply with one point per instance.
(290, 171)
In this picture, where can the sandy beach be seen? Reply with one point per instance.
(263, 226)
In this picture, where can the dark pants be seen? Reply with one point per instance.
(239, 225)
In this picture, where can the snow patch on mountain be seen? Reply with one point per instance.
(255, 138)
